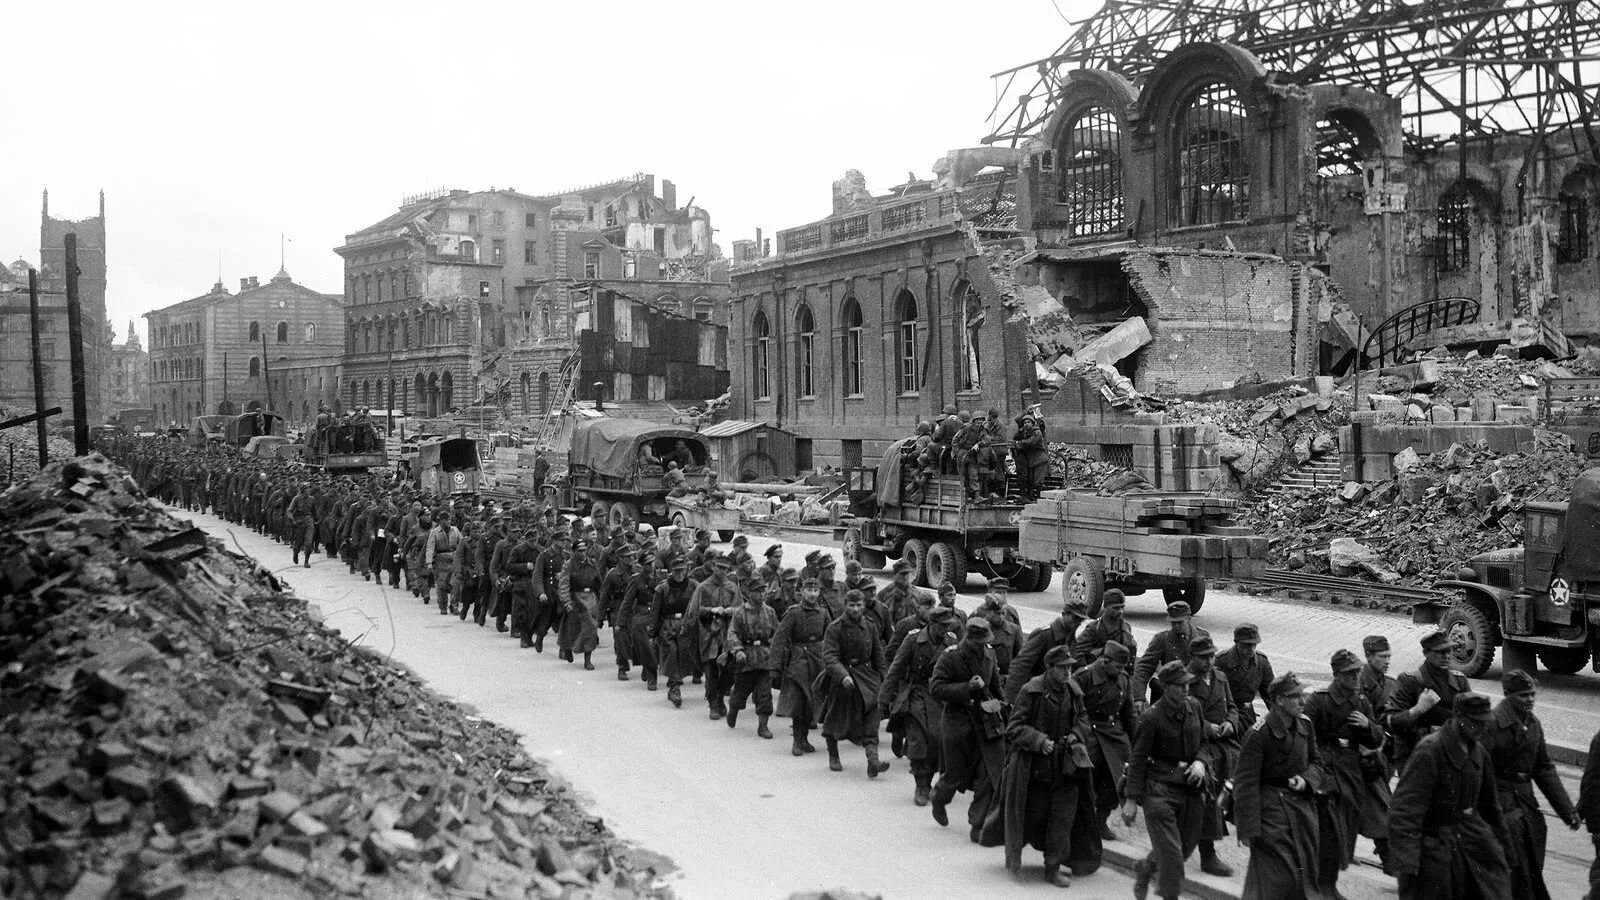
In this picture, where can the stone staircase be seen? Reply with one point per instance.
(1318, 474)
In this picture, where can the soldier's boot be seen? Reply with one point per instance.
(588, 664)
(733, 717)
(538, 643)
(833, 755)
(718, 709)
(924, 785)
(897, 745)
(294, 558)
(675, 695)
(1210, 864)
(761, 726)
(800, 742)
(805, 741)
(875, 767)
(1058, 877)
(622, 674)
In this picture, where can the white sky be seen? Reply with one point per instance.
(212, 127)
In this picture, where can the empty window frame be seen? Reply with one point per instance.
(907, 344)
(761, 367)
(1572, 242)
(805, 351)
(1212, 159)
(1453, 239)
(1089, 172)
(852, 348)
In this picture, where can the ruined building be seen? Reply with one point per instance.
(130, 373)
(466, 297)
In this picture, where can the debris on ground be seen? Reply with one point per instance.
(19, 453)
(177, 721)
(1421, 526)
(1259, 440)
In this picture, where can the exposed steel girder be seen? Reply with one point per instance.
(1530, 67)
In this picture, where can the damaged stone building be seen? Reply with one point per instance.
(464, 297)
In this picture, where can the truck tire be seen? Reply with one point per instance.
(725, 535)
(872, 559)
(1472, 637)
(1044, 574)
(1563, 660)
(946, 563)
(620, 510)
(1194, 594)
(679, 520)
(1085, 579)
(1026, 579)
(599, 511)
(915, 553)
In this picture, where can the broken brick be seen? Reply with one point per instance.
(281, 861)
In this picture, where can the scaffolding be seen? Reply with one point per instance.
(1462, 69)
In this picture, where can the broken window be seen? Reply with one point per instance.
(591, 264)
(806, 327)
(972, 324)
(1572, 242)
(1089, 166)
(760, 368)
(907, 343)
(1213, 169)
(1453, 241)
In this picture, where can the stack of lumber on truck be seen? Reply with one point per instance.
(1179, 535)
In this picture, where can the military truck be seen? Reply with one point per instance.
(1176, 542)
(616, 470)
(1539, 602)
(943, 533)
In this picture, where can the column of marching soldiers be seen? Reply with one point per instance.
(1051, 732)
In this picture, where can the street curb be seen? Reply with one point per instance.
(1123, 862)
(1571, 756)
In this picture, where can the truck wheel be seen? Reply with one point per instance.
(1471, 637)
(946, 563)
(1026, 579)
(1084, 579)
(1564, 660)
(725, 535)
(1044, 574)
(679, 520)
(1194, 594)
(599, 511)
(915, 553)
(620, 510)
(872, 559)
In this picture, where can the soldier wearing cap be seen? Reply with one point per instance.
(1223, 734)
(966, 680)
(1521, 760)
(1004, 622)
(857, 580)
(1377, 686)
(907, 704)
(675, 636)
(1109, 706)
(1421, 699)
(900, 596)
(546, 587)
(613, 589)
(576, 591)
(713, 604)
(1044, 799)
(847, 706)
(809, 570)
(1447, 834)
(925, 604)
(830, 591)
(1248, 672)
(1171, 645)
(520, 563)
(1029, 661)
(1169, 777)
(1111, 626)
(1276, 784)
(770, 573)
(634, 616)
(751, 628)
(785, 592)
(1346, 727)
(797, 661)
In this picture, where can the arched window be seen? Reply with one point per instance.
(394, 285)
(1089, 172)
(761, 367)
(1572, 241)
(469, 250)
(377, 289)
(350, 288)
(405, 332)
(852, 348)
(255, 367)
(1212, 158)
(1452, 245)
(311, 332)
(283, 332)
(906, 344)
(255, 332)
(805, 350)
(969, 376)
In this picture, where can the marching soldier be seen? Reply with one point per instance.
(1171, 645)
(1111, 626)
(1210, 689)
(1061, 632)
(1521, 760)
(797, 661)
(1344, 726)
(1421, 700)
(674, 635)
(751, 629)
(852, 657)
(907, 702)
(1248, 671)
(1276, 782)
(966, 679)
(1169, 777)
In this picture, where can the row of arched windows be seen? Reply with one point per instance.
(281, 331)
(376, 287)
(400, 331)
(434, 393)
(809, 353)
(179, 369)
(1465, 216)
(178, 335)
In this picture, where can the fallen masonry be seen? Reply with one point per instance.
(177, 722)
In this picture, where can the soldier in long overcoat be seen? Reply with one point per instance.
(906, 701)
(1211, 690)
(966, 679)
(797, 661)
(1521, 760)
(1378, 765)
(1447, 836)
(751, 629)
(673, 633)
(1276, 782)
(578, 589)
(1345, 726)
(613, 588)
(1108, 698)
(636, 619)
(1029, 661)
(847, 690)
(1422, 699)
(712, 603)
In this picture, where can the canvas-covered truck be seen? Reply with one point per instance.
(1176, 542)
(1539, 602)
(617, 468)
(941, 532)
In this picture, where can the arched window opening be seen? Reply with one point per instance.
(805, 351)
(906, 344)
(1453, 241)
(1572, 239)
(972, 315)
(311, 332)
(255, 367)
(283, 332)
(761, 368)
(255, 332)
(1088, 164)
(1212, 159)
(1343, 142)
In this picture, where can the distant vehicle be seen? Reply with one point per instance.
(137, 419)
(447, 467)
(615, 469)
(265, 446)
(240, 429)
(208, 429)
(347, 447)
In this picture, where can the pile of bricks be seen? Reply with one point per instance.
(178, 722)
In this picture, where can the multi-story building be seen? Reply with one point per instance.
(462, 297)
(130, 373)
(222, 352)
(16, 353)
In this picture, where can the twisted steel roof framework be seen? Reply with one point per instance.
(1461, 68)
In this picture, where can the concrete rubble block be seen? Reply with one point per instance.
(1414, 488)
(1483, 409)
(1406, 460)
(1323, 442)
(185, 801)
(93, 886)
(1515, 415)
(281, 861)
(107, 755)
(1352, 492)
(1348, 557)
(383, 849)
(134, 782)
(1118, 343)
(1442, 414)
(278, 806)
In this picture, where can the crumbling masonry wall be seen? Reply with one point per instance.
(1217, 318)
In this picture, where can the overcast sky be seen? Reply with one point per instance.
(213, 127)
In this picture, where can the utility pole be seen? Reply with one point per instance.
(390, 405)
(80, 398)
(225, 382)
(266, 374)
(38, 368)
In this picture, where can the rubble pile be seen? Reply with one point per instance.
(19, 453)
(1261, 439)
(177, 722)
(1424, 524)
